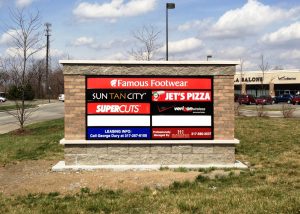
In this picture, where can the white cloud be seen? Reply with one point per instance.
(117, 56)
(55, 53)
(288, 55)
(24, 3)
(92, 43)
(83, 41)
(249, 19)
(7, 37)
(16, 52)
(184, 45)
(233, 52)
(113, 10)
(283, 35)
(195, 24)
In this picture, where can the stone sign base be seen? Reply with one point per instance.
(158, 153)
(61, 166)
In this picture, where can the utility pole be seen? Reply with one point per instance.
(48, 25)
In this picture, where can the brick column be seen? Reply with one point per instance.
(74, 107)
(223, 107)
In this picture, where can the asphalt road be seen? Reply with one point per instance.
(43, 113)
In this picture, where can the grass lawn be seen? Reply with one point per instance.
(13, 107)
(40, 141)
(271, 185)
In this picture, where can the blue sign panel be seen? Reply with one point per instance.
(118, 133)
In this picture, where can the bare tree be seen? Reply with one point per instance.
(26, 39)
(263, 66)
(36, 77)
(147, 36)
(57, 82)
(241, 73)
(4, 76)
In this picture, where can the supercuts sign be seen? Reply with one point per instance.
(149, 108)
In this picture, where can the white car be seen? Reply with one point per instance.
(61, 97)
(2, 99)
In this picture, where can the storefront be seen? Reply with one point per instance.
(274, 83)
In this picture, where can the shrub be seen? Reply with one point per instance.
(287, 110)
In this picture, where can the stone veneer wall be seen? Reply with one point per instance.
(186, 153)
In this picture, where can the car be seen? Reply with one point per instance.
(2, 99)
(264, 100)
(61, 97)
(246, 99)
(236, 97)
(286, 98)
(296, 100)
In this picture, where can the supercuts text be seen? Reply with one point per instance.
(118, 108)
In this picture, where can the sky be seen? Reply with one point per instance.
(225, 29)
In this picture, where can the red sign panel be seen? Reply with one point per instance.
(181, 133)
(149, 83)
(118, 108)
(181, 96)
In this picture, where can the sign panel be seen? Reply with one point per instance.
(118, 108)
(118, 133)
(148, 83)
(181, 96)
(149, 108)
(181, 132)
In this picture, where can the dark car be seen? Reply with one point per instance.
(285, 98)
(236, 97)
(246, 99)
(296, 100)
(264, 100)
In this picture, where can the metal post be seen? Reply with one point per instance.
(48, 25)
(168, 6)
(167, 42)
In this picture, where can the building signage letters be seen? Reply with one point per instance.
(149, 108)
(249, 79)
(286, 78)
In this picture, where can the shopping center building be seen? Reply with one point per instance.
(274, 82)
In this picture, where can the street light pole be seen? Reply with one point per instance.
(208, 57)
(168, 6)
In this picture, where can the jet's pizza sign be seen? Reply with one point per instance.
(149, 108)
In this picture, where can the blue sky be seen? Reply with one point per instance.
(225, 29)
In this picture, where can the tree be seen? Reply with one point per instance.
(241, 73)
(263, 66)
(147, 36)
(26, 38)
(57, 82)
(36, 76)
(4, 77)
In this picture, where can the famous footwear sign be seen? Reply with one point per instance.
(149, 108)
